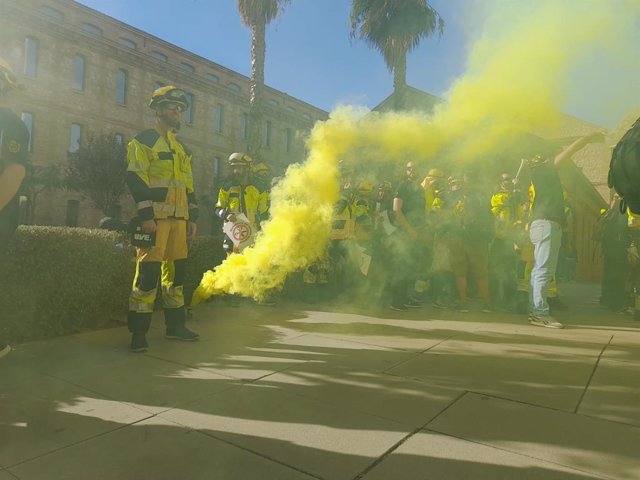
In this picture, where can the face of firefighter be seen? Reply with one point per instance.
(170, 114)
(239, 172)
(410, 169)
(506, 182)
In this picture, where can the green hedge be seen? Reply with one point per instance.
(60, 280)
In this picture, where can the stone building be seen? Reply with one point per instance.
(87, 73)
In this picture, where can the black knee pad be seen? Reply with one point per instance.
(148, 276)
(180, 267)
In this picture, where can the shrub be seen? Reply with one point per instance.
(61, 280)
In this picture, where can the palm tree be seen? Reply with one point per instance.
(257, 14)
(394, 28)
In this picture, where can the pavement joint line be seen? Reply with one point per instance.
(559, 410)
(400, 442)
(521, 402)
(593, 372)
(254, 452)
(84, 440)
(515, 452)
(186, 365)
(415, 354)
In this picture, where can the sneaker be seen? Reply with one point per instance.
(438, 305)
(180, 332)
(544, 321)
(398, 308)
(486, 308)
(4, 349)
(412, 303)
(139, 342)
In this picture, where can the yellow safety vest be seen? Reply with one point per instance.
(164, 166)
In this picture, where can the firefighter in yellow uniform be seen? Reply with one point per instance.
(239, 195)
(161, 183)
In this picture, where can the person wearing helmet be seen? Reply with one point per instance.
(409, 217)
(239, 194)
(502, 254)
(14, 141)
(161, 183)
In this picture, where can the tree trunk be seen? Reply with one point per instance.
(258, 47)
(400, 83)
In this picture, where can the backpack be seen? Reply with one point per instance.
(624, 169)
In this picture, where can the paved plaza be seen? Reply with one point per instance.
(302, 392)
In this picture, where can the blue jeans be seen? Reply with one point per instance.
(546, 236)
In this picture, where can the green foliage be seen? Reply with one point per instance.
(59, 280)
(394, 28)
(62, 280)
(98, 169)
(205, 252)
(42, 178)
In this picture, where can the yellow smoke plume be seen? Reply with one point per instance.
(516, 81)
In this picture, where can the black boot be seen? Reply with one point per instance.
(138, 326)
(174, 319)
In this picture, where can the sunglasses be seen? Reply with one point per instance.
(174, 107)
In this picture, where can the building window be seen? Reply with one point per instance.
(188, 114)
(288, 139)
(78, 72)
(31, 57)
(185, 67)
(290, 109)
(244, 126)
(121, 87)
(215, 164)
(118, 138)
(267, 133)
(306, 116)
(125, 42)
(92, 29)
(74, 139)
(219, 118)
(159, 56)
(212, 77)
(234, 87)
(27, 119)
(273, 102)
(51, 12)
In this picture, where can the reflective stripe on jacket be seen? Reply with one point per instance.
(160, 177)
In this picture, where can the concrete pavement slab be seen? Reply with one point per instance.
(59, 354)
(227, 349)
(166, 384)
(405, 401)
(332, 442)
(343, 352)
(614, 392)
(432, 456)
(545, 378)
(154, 449)
(583, 443)
(35, 415)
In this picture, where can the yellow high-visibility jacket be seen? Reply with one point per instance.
(250, 200)
(160, 177)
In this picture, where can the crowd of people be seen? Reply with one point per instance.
(439, 237)
(435, 236)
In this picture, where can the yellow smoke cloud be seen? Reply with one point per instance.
(516, 81)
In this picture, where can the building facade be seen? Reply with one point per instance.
(86, 73)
